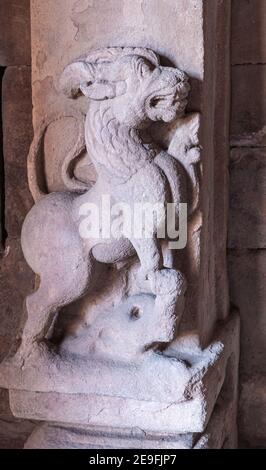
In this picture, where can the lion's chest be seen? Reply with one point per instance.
(148, 185)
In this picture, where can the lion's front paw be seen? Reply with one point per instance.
(193, 155)
(168, 282)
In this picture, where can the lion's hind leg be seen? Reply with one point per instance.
(54, 292)
(41, 307)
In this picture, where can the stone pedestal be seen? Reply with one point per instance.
(220, 433)
(138, 407)
(183, 398)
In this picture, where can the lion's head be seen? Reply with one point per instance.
(140, 88)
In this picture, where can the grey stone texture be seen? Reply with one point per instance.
(16, 279)
(248, 31)
(193, 382)
(219, 434)
(15, 32)
(248, 107)
(247, 231)
(13, 431)
(247, 283)
(247, 216)
(252, 412)
(17, 136)
(13, 272)
(78, 20)
(151, 395)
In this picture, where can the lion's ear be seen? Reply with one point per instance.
(76, 75)
(85, 77)
(103, 90)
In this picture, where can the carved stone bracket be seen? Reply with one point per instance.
(122, 339)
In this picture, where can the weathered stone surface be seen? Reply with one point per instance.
(123, 84)
(113, 382)
(248, 109)
(247, 220)
(15, 46)
(17, 135)
(213, 277)
(248, 31)
(2, 196)
(162, 396)
(14, 433)
(219, 434)
(221, 156)
(66, 437)
(99, 24)
(16, 281)
(252, 411)
(5, 412)
(85, 25)
(247, 216)
(182, 46)
(248, 293)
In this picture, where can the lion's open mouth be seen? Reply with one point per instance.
(166, 106)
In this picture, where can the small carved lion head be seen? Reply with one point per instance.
(139, 89)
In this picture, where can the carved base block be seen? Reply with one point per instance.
(220, 433)
(150, 398)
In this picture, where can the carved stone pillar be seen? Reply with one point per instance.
(129, 341)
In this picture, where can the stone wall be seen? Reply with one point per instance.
(16, 279)
(247, 222)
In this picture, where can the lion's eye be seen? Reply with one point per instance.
(155, 101)
(143, 68)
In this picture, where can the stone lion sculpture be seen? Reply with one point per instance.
(127, 89)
